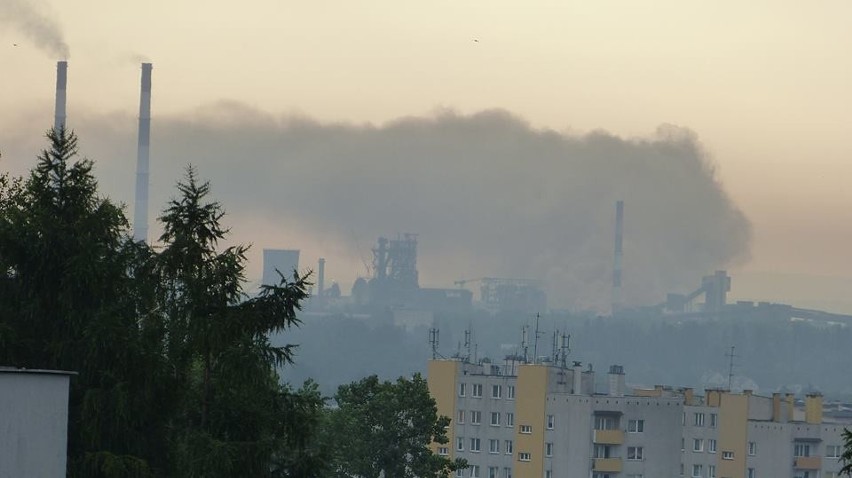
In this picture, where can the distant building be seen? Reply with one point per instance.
(525, 420)
(284, 261)
(33, 423)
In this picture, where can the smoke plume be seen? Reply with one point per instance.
(488, 194)
(44, 32)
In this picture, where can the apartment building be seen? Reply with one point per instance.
(525, 420)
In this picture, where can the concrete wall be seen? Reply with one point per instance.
(33, 423)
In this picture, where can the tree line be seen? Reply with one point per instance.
(177, 376)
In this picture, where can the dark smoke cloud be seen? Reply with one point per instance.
(44, 31)
(488, 194)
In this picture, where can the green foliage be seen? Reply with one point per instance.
(68, 303)
(176, 374)
(846, 457)
(386, 428)
(229, 419)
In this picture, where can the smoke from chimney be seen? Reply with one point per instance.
(44, 31)
(61, 82)
(140, 215)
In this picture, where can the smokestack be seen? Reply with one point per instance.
(321, 278)
(616, 268)
(140, 215)
(61, 81)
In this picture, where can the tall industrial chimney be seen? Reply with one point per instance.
(616, 267)
(321, 278)
(61, 82)
(140, 214)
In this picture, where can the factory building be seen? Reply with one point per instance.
(539, 420)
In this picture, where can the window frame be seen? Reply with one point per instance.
(635, 453)
(636, 425)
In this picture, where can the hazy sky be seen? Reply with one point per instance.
(764, 84)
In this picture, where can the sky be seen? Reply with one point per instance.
(762, 85)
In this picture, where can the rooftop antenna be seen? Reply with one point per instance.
(467, 336)
(731, 355)
(554, 346)
(535, 342)
(433, 341)
(525, 342)
(564, 348)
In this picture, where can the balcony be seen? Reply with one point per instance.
(608, 437)
(807, 463)
(607, 465)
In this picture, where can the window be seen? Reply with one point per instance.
(460, 444)
(697, 444)
(727, 455)
(523, 456)
(496, 391)
(507, 472)
(510, 392)
(548, 474)
(474, 444)
(752, 448)
(833, 451)
(682, 443)
(635, 426)
(711, 471)
(509, 447)
(711, 445)
(475, 417)
(804, 474)
(460, 472)
(526, 429)
(510, 419)
(605, 422)
(713, 420)
(443, 451)
(493, 446)
(751, 473)
(460, 419)
(495, 419)
(548, 449)
(477, 390)
(697, 471)
(461, 389)
(474, 471)
(635, 453)
(492, 471)
(602, 451)
(551, 422)
(801, 449)
(699, 420)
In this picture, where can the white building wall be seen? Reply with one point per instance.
(33, 423)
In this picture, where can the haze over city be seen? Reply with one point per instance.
(529, 121)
